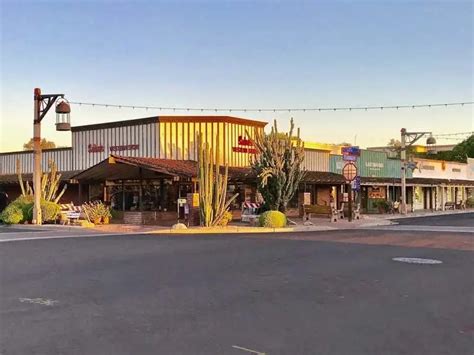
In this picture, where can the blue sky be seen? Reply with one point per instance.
(241, 53)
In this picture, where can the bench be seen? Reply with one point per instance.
(321, 210)
(71, 212)
(449, 206)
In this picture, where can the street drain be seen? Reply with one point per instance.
(417, 261)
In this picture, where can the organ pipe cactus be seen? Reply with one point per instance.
(50, 182)
(278, 165)
(212, 185)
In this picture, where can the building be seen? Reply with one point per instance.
(143, 166)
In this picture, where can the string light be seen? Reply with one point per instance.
(319, 109)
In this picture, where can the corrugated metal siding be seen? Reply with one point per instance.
(143, 135)
(316, 160)
(371, 164)
(62, 157)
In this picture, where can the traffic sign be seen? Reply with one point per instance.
(349, 171)
(356, 184)
(349, 157)
(354, 151)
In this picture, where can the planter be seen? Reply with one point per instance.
(105, 220)
(96, 220)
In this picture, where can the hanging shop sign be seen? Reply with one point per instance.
(349, 171)
(96, 148)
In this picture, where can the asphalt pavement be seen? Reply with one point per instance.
(451, 220)
(232, 295)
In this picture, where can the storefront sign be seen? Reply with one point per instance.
(374, 165)
(244, 150)
(95, 148)
(195, 200)
(376, 192)
(118, 148)
(245, 145)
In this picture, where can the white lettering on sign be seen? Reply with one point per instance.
(374, 165)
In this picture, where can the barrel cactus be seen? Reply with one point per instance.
(272, 219)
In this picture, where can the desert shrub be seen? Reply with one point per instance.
(12, 214)
(226, 219)
(272, 219)
(470, 202)
(97, 212)
(49, 210)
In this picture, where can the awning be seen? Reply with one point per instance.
(323, 177)
(134, 168)
(414, 181)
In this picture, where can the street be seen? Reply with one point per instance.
(229, 294)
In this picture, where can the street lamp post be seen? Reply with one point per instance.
(42, 104)
(407, 140)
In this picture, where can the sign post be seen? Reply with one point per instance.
(350, 173)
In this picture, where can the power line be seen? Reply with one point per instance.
(454, 134)
(312, 109)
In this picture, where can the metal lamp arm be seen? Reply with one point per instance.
(47, 101)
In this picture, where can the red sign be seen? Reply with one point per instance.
(95, 148)
(244, 150)
(117, 148)
(349, 171)
(245, 146)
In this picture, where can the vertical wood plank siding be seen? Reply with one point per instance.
(316, 160)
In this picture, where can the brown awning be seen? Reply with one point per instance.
(323, 177)
(133, 168)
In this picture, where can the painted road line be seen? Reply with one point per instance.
(417, 261)
(42, 301)
(248, 350)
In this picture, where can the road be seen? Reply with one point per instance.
(451, 220)
(223, 294)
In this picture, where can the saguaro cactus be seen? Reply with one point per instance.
(212, 185)
(278, 165)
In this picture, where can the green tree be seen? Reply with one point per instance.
(278, 166)
(463, 150)
(45, 144)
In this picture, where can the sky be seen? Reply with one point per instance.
(260, 54)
